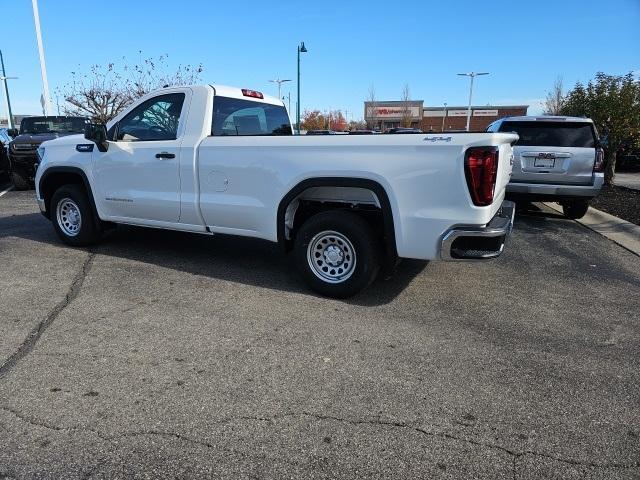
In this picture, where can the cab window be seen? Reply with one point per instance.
(236, 117)
(153, 120)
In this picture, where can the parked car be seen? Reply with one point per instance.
(320, 132)
(33, 131)
(4, 153)
(404, 130)
(628, 159)
(556, 159)
(362, 132)
(216, 159)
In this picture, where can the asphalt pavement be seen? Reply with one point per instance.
(628, 179)
(159, 354)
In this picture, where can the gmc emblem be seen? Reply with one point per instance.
(546, 155)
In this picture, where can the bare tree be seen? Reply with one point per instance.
(104, 91)
(406, 106)
(371, 98)
(555, 99)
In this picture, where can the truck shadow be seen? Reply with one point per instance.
(236, 259)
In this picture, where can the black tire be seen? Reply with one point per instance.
(87, 229)
(350, 272)
(19, 182)
(575, 209)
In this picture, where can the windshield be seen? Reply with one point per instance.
(552, 134)
(36, 125)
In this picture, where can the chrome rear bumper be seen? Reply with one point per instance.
(479, 243)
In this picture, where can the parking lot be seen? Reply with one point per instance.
(159, 353)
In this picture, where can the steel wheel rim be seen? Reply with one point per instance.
(69, 217)
(331, 257)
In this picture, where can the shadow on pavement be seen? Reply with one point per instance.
(547, 231)
(237, 259)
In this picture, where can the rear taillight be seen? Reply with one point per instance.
(598, 164)
(481, 169)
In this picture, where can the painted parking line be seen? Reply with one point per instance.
(6, 190)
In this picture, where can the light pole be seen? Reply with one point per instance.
(472, 75)
(288, 97)
(43, 68)
(4, 79)
(279, 82)
(444, 117)
(301, 49)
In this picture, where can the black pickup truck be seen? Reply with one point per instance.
(33, 131)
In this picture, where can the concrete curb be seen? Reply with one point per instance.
(625, 234)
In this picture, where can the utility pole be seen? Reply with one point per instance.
(4, 79)
(472, 75)
(301, 49)
(43, 67)
(279, 82)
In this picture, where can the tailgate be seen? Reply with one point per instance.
(571, 166)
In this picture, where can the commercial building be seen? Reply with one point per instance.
(385, 115)
(438, 119)
(390, 114)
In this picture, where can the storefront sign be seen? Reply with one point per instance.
(485, 113)
(393, 112)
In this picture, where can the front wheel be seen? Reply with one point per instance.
(337, 253)
(72, 216)
(575, 209)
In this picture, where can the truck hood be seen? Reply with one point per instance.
(72, 139)
(37, 139)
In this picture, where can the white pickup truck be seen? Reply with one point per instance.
(213, 159)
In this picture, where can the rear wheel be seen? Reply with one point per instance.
(72, 216)
(19, 182)
(337, 253)
(575, 209)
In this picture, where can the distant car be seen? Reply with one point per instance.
(556, 159)
(4, 155)
(33, 131)
(362, 132)
(628, 159)
(404, 130)
(320, 132)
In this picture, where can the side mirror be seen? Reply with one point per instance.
(602, 142)
(12, 132)
(97, 133)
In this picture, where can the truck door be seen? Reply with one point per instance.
(138, 176)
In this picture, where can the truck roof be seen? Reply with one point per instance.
(547, 118)
(236, 92)
(227, 91)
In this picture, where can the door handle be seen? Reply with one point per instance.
(165, 155)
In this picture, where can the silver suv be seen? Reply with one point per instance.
(557, 159)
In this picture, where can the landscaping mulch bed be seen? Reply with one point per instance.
(619, 201)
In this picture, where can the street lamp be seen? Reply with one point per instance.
(444, 116)
(279, 82)
(301, 49)
(4, 79)
(472, 75)
(46, 98)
